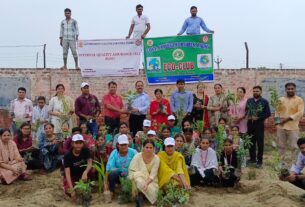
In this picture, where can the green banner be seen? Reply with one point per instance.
(168, 59)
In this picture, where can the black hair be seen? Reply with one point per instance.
(258, 87)
(139, 81)
(41, 98)
(75, 129)
(147, 141)
(123, 123)
(67, 10)
(21, 89)
(158, 90)
(180, 81)
(48, 124)
(112, 83)
(139, 6)
(223, 119)
(180, 135)
(80, 129)
(235, 126)
(165, 127)
(59, 85)
(207, 129)
(19, 132)
(228, 140)
(218, 84)
(188, 130)
(290, 84)
(204, 138)
(5, 130)
(193, 7)
(301, 141)
(242, 88)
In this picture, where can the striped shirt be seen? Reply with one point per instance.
(68, 29)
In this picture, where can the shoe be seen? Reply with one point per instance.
(259, 165)
(139, 200)
(108, 196)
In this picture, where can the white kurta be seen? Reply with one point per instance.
(209, 163)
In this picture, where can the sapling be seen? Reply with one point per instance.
(220, 137)
(129, 97)
(253, 111)
(242, 150)
(99, 167)
(276, 103)
(126, 190)
(172, 195)
(83, 192)
(199, 126)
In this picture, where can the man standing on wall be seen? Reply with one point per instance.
(113, 107)
(21, 109)
(257, 110)
(68, 37)
(87, 108)
(139, 108)
(192, 24)
(140, 25)
(290, 111)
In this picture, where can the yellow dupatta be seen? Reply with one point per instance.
(169, 166)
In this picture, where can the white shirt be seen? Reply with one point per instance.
(139, 25)
(21, 109)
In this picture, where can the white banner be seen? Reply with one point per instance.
(109, 57)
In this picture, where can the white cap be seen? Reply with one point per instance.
(151, 132)
(77, 137)
(123, 139)
(147, 123)
(84, 84)
(171, 117)
(169, 141)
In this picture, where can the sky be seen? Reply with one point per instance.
(273, 29)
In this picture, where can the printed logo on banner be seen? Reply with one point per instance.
(178, 54)
(149, 43)
(138, 42)
(205, 39)
(153, 63)
(204, 61)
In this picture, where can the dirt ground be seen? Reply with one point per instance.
(258, 188)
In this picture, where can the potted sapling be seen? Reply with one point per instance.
(276, 103)
(129, 97)
(83, 192)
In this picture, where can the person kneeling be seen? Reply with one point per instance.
(205, 163)
(228, 164)
(172, 166)
(117, 166)
(295, 176)
(77, 163)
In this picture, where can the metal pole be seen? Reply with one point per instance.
(44, 56)
(37, 59)
(247, 55)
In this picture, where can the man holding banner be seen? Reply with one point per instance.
(140, 25)
(192, 24)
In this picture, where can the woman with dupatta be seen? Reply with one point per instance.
(172, 166)
(60, 109)
(143, 171)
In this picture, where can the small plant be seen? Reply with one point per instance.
(252, 174)
(220, 137)
(199, 126)
(172, 195)
(230, 98)
(83, 192)
(242, 150)
(275, 102)
(126, 190)
(129, 97)
(99, 167)
(253, 111)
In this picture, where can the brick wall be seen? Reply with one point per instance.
(43, 82)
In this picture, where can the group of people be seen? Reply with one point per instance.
(161, 144)
(140, 26)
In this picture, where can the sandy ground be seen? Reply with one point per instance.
(264, 190)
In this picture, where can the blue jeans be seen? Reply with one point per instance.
(114, 178)
(92, 127)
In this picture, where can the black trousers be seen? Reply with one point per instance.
(112, 123)
(136, 123)
(197, 179)
(230, 180)
(256, 130)
(299, 183)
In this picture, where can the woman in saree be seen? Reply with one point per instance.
(60, 109)
(172, 166)
(12, 165)
(143, 171)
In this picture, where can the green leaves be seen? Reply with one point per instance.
(126, 190)
(99, 167)
(172, 195)
(274, 98)
(199, 126)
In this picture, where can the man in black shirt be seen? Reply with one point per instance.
(77, 163)
(257, 110)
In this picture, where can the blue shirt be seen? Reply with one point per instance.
(142, 102)
(299, 165)
(116, 162)
(192, 26)
(182, 100)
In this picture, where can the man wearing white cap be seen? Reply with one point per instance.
(117, 165)
(77, 164)
(142, 135)
(171, 119)
(87, 108)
